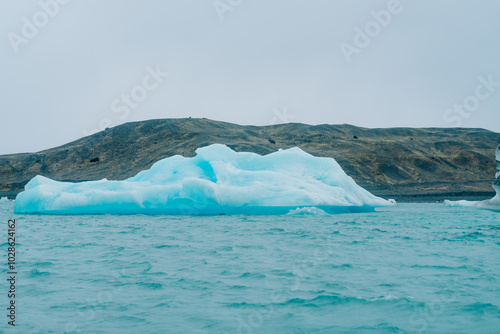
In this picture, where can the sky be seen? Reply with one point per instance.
(70, 68)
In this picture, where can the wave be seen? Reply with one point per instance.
(482, 307)
(437, 267)
(37, 273)
(253, 275)
(337, 299)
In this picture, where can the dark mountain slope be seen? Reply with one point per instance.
(394, 162)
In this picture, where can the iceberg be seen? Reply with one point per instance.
(490, 204)
(217, 180)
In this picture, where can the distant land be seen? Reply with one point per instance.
(407, 164)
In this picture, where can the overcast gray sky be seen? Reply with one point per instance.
(69, 68)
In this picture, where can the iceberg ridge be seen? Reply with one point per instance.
(217, 180)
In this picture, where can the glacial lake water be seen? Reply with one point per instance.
(412, 268)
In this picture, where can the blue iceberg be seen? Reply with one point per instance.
(217, 180)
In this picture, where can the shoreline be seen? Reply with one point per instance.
(437, 197)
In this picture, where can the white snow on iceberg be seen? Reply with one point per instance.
(216, 181)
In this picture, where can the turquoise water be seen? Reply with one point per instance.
(410, 268)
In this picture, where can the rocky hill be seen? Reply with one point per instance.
(401, 163)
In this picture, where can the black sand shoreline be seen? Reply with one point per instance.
(438, 198)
